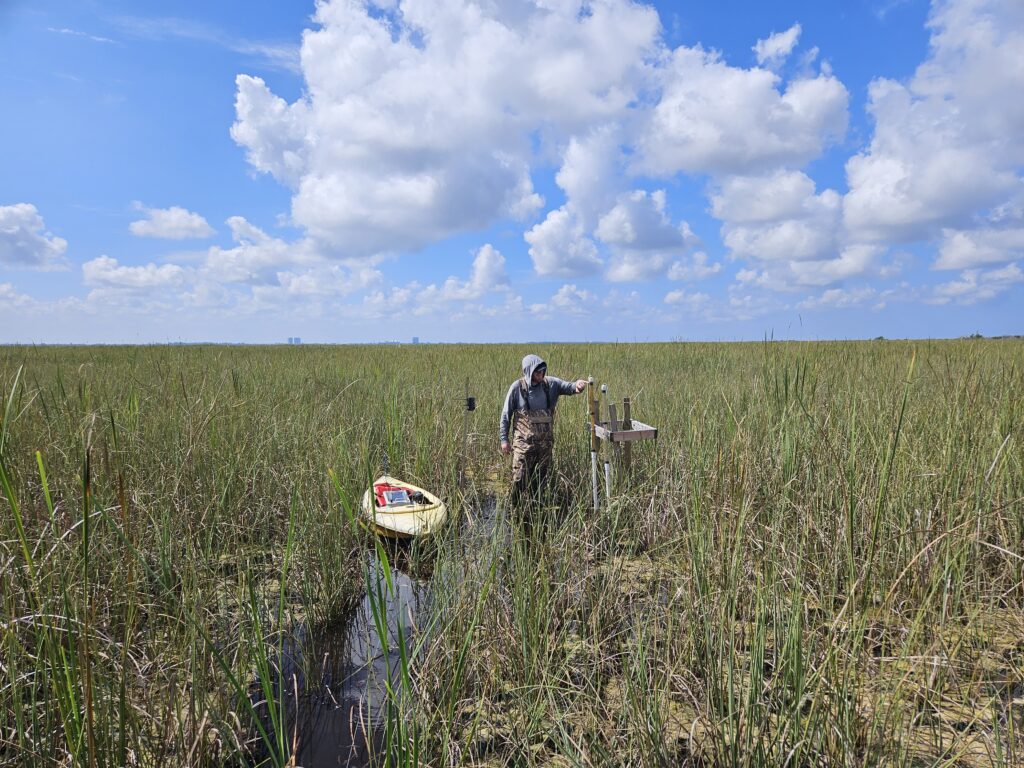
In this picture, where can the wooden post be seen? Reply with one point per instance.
(595, 414)
(627, 423)
(613, 424)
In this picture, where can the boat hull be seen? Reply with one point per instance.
(402, 521)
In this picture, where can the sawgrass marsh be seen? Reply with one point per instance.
(819, 561)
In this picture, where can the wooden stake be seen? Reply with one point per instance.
(627, 423)
(613, 423)
(595, 415)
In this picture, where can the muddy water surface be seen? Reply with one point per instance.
(341, 673)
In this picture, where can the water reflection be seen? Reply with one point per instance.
(341, 673)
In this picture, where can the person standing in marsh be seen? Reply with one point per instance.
(528, 419)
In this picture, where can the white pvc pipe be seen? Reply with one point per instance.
(593, 475)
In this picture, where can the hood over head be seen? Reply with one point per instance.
(530, 364)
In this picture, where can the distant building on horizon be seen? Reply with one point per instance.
(415, 339)
(294, 340)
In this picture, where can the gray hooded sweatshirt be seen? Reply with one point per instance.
(538, 396)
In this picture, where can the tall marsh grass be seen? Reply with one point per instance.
(818, 563)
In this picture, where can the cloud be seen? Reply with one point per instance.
(696, 267)
(172, 223)
(11, 299)
(105, 272)
(777, 217)
(716, 119)
(603, 224)
(642, 239)
(422, 119)
(262, 271)
(77, 33)
(975, 285)
(591, 172)
(453, 299)
(273, 132)
(947, 145)
(692, 302)
(258, 273)
(560, 247)
(24, 241)
(311, 288)
(257, 258)
(744, 304)
(488, 274)
(568, 300)
(840, 298)
(852, 261)
(973, 248)
(275, 55)
(419, 118)
(777, 47)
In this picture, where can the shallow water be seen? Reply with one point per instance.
(341, 672)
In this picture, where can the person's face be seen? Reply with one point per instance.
(539, 374)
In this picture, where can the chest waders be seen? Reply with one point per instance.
(532, 441)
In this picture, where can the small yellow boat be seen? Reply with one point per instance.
(402, 510)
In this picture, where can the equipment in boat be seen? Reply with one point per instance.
(401, 510)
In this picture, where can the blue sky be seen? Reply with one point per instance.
(510, 171)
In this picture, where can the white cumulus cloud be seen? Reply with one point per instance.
(643, 240)
(972, 248)
(776, 48)
(568, 300)
(975, 285)
(419, 117)
(24, 240)
(696, 267)
(106, 272)
(488, 274)
(840, 298)
(948, 144)
(560, 246)
(174, 223)
(692, 302)
(257, 257)
(777, 217)
(718, 119)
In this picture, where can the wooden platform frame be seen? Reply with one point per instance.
(627, 433)
(620, 435)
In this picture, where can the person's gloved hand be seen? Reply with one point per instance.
(505, 447)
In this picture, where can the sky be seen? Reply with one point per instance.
(510, 170)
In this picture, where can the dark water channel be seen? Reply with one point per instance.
(340, 673)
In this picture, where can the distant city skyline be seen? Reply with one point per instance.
(358, 172)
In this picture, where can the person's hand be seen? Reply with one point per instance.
(581, 384)
(505, 447)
